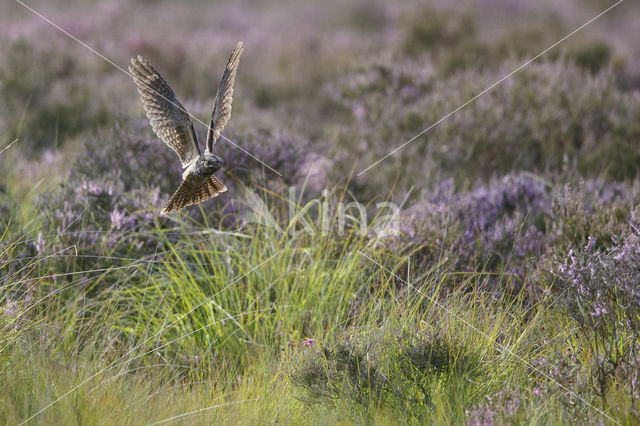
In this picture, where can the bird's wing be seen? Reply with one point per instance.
(168, 117)
(222, 107)
(194, 190)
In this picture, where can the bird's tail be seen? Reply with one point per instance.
(194, 191)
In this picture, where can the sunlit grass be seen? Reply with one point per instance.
(212, 326)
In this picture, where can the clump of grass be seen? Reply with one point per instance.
(382, 368)
(423, 350)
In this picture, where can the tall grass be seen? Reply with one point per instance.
(260, 324)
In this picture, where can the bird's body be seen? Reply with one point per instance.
(172, 124)
(205, 165)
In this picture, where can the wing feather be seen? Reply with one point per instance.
(224, 97)
(168, 118)
(194, 190)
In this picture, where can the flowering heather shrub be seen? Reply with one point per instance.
(565, 371)
(137, 157)
(300, 166)
(45, 96)
(599, 288)
(293, 157)
(513, 225)
(591, 209)
(457, 37)
(451, 39)
(494, 227)
(501, 408)
(109, 203)
(429, 29)
(545, 113)
(483, 207)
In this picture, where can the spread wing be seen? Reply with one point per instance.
(194, 190)
(222, 107)
(168, 117)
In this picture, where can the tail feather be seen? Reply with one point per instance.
(193, 191)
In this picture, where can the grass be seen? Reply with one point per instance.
(211, 328)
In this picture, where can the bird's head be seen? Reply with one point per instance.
(208, 163)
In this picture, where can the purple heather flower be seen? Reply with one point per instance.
(94, 189)
(11, 308)
(39, 243)
(117, 218)
(308, 342)
(359, 111)
(590, 244)
(599, 310)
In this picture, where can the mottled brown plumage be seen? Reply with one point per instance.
(194, 190)
(171, 122)
(224, 97)
(168, 118)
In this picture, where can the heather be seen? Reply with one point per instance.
(485, 273)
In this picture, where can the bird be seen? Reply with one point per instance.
(171, 123)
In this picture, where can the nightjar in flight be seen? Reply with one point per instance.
(171, 122)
